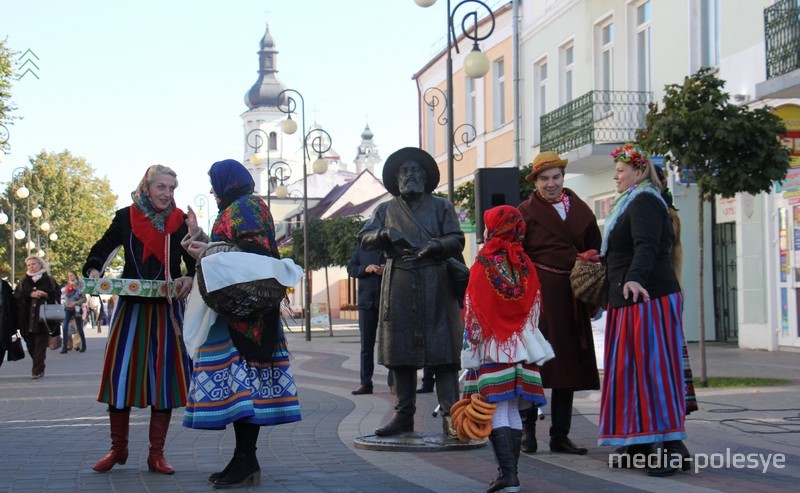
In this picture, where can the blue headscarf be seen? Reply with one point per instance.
(230, 180)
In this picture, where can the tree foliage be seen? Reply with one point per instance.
(331, 241)
(724, 147)
(77, 204)
(464, 194)
(6, 75)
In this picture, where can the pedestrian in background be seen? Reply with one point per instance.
(367, 267)
(34, 289)
(73, 301)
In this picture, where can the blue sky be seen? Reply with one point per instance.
(129, 84)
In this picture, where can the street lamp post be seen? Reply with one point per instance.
(287, 104)
(476, 65)
(201, 200)
(277, 174)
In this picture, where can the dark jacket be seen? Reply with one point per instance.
(419, 321)
(8, 317)
(564, 321)
(639, 249)
(120, 234)
(369, 284)
(28, 308)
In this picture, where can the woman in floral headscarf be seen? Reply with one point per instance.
(643, 401)
(145, 364)
(503, 347)
(241, 371)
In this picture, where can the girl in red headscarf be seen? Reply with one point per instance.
(503, 347)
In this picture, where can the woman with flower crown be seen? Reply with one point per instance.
(642, 403)
(145, 362)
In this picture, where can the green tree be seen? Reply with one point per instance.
(331, 242)
(723, 147)
(77, 204)
(6, 106)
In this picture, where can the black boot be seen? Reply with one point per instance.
(405, 406)
(529, 444)
(244, 471)
(447, 395)
(217, 475)
(663, 462)
(503, 446)
(624, 457)
(678, 447)
(516, 440)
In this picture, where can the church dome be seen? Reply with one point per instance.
(367, 133)
(267, 87)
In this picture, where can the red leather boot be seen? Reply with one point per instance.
(119, 442)
(156, 462)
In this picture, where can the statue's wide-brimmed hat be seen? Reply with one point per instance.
(545, 160)
(397, 158)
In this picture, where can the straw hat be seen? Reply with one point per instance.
(545, 160)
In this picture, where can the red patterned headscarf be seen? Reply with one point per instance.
(503, 285)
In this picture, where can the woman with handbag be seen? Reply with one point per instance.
(145, 364)
(241, 372)
(36, 288)
(642, 403)
(503, 346)
(74, 299)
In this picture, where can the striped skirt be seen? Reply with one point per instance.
(643, 398)
(145, 362)
(503, 381)
(226, 388)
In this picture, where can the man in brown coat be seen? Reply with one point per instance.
(559, 225)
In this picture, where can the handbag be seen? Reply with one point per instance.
(52, 312)
(589, 282)
(15, 350)
(54, 342)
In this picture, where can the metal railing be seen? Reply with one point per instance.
(597, 117)
(782, 37)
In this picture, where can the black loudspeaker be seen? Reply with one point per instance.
(493, 187)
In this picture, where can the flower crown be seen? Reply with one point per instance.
(632, 155)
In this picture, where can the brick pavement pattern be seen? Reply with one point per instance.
(53, 430)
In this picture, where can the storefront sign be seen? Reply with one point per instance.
(726, 210)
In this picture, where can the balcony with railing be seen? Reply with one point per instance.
(782, 37)
(597, 117)
(782, 44)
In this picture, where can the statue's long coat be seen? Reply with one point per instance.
(420, 321)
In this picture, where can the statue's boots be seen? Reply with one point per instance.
(405, 380)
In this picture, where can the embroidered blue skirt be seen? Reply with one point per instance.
(227, 388)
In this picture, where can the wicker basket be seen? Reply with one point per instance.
(589, 283)
(243, 300)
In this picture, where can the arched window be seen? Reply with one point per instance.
(273, 141)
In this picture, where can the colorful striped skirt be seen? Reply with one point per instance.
(145, 361)
(503, 381)
(226, 388)
(643, 398)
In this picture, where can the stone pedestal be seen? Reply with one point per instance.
(415, 442)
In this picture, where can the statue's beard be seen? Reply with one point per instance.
(411, 186)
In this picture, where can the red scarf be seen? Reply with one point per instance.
(152, 239)
(503, 285)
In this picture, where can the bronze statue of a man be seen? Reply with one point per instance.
(419, 319)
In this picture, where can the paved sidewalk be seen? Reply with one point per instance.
(52, 430)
